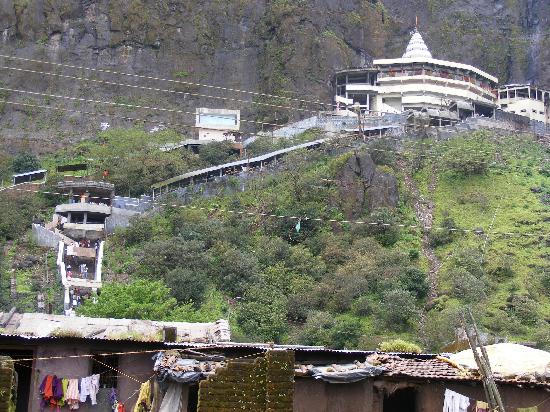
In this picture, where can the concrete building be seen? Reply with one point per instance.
(217, 124)
(525, 100)
(447, 91)
(77, 231)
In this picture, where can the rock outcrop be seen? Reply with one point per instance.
(362, 188)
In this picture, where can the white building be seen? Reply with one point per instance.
(525, 100)
(217, 124)
(448, 91)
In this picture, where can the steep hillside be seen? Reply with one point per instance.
(277, 46)
(334, 245)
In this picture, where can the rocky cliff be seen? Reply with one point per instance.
(286, 47)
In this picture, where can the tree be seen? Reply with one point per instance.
(216, 153)
(25, 162)
(141, 299)
(415, 281)
(262, 314)
(160, 256)
(396, 309)
(231, 269)
(187, 285)
(466, 286)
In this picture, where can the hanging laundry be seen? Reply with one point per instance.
(84, 388)
(172, 399)
(113, 400)
(65, 386)
(89, 386)
(51, 390)
(72, 396)
(455, 402)
(531, 409)
(143, 403)
(94, 388)
(482, 406)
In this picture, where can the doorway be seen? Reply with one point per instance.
(24, 376)
(402, 400)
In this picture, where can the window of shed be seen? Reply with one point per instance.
(106, 367)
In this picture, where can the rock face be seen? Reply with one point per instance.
(271, 46)
(361, 187)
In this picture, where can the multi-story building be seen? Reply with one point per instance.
(448, 91)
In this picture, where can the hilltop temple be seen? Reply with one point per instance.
(447, 91)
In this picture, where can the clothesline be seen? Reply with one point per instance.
(456, 402)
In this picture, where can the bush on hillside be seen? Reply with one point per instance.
(216, 153)
(141, 299)
(470, 155)
(399, 345)
(397, 309)
(25, 162)
(262, 313)
(187, 286)
(466, 287)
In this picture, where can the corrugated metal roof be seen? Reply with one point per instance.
(237, 163)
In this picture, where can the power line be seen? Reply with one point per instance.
(264, 215)
(135, 106)
(426, 154)
(85, 79)
(188, 83)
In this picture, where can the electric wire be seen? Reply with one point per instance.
(304, 218)
(402, 153)
(188, 83)
(134, 106)
(85, 79)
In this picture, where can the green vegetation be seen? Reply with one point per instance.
(342, 285)
(399, 345)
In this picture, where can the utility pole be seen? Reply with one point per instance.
(357, 109)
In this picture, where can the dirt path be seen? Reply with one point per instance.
(424, 210)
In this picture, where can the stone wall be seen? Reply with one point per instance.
(262, 384)
(44, 237)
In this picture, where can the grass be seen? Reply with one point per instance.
(499, 202)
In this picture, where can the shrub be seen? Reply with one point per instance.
(469, 155)
(262, 314)
(415, 281)
(523, 308)
(25, 162)
(399, 345)
(396, 309)
(466, 286)
(386, 232)
(216, 153)
(187, 285)
(445, 234)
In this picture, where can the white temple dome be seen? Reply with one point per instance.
(416, 48)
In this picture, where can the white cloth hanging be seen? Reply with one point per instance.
(455, 402)
(89, 386)
(172, 399)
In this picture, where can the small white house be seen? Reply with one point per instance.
(525, 100)
(217, 124)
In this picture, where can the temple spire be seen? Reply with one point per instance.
(416, 48)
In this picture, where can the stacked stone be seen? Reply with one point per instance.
(8, 385)
(238, 387)
(264, 385)
(279, 381)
